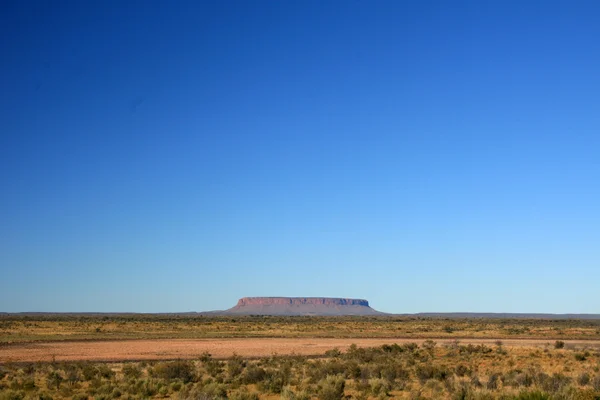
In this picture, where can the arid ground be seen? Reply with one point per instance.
(169, 349)
(253, 358)
(161, 337)
(20, 329)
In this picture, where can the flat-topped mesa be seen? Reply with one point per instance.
(301, 306)
(317, 301)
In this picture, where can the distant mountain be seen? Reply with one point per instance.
(321, 306)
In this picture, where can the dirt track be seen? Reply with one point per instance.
(123, 350)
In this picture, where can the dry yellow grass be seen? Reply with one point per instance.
(442, 370)
(49, 328)
(169, 349)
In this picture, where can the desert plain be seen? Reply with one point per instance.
(189, 356)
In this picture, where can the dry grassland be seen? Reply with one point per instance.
(171, 349)
(50, 328)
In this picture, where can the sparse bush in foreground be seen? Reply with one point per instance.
(243, 394)
(493, 381)
(583, 379)
(534, 395)
(183, 370)
(132, 371)
(215, 391)
(288, 394)
(273, 382)
(11, 395)
(475, 373)
(332, 388)
(253, 374)
(461, 370)
(235, 366)
(54, 379)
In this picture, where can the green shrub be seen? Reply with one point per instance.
(105, 389)
(54, 379)
(11, 395)
(104, 371)
(288, 394)
(215, 391)
(426, 372)
(213, 367)
(182, 370)
(463, 392)
(333, 353)
(353, 370)
(253, 374)
(205, 357)
(95, 383)
(148, 388)
(243, 394)
(28, 383)
(410, 347)
(559, 344)
(332, 388)
(552, 383)
(89, 372)
(28, 369)
(462, 370)
(475, 382)
(235, 366)
(492, 383)
(474, 349)
(333, 367)
(116, 393)
(388, 373)
(273, 382)
(535, 395)
(379, 387)
(583, 379)
(72, 375)
(132, 371)
(524, 379)
(391, 348)
(429, 345)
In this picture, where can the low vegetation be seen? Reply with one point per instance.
(429, 371)
(24, 328)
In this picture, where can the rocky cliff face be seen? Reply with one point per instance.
(301, 306)
(316, 301)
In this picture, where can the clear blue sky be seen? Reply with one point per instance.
(424, 155)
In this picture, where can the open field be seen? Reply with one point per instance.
(15, 328)
(170, 349)
(249, 358)
(428, 370)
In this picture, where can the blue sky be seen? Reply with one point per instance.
(424, 155)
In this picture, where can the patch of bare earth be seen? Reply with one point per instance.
(165, 349)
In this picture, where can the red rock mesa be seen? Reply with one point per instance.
(301, 306)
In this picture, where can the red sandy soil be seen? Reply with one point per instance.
(165, 349)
